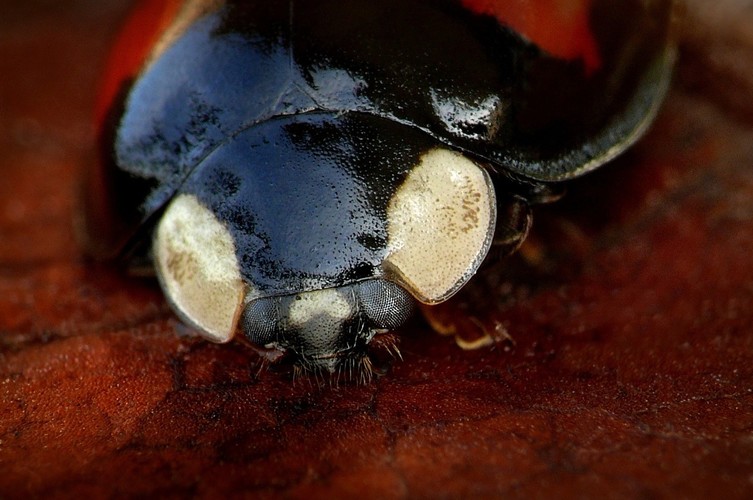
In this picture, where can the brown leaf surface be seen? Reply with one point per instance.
(631, 310)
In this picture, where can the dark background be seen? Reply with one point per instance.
(630, 373)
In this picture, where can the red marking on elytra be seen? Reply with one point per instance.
(141, 31)
(559, 27)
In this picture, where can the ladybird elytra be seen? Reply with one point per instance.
(302, 172)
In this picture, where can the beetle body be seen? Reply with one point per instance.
(303, 170)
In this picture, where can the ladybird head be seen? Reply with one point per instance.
(324, 330)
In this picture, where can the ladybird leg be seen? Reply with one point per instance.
(488, 336)
(470, 333)
(440, 319)
(513, 223)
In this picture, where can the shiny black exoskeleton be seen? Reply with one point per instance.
(302, 170)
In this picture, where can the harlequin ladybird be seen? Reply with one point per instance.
(301, 172)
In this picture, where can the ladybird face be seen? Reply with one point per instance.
(305, 170)
(325, 329)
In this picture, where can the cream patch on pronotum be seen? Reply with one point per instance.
(196, 263)
(440, 225)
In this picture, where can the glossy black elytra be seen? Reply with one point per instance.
(303, 170)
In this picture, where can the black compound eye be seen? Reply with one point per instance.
(261, 320)
(386, 304)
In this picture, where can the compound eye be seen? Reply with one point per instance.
(261, 320)
(194, 256)
(386, 304)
